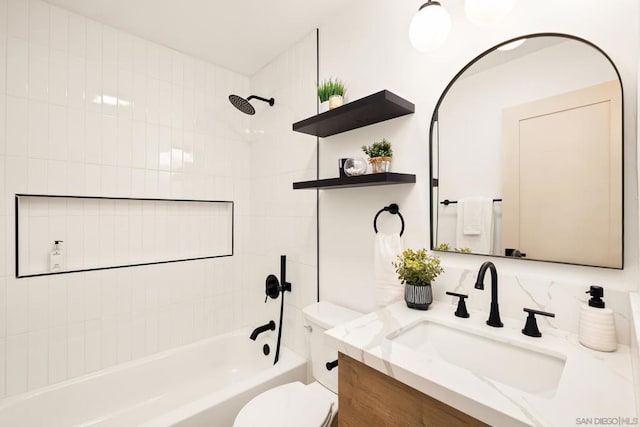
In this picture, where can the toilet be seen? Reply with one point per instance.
(297, 404)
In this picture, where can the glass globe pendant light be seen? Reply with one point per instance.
(430, 27)
(487, 12)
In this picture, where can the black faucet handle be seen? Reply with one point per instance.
(461, 311)
(531, 325)
(331, 365)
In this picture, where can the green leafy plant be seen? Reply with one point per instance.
(330, 87)
(417, 268)
(378, 149)
(447, 247)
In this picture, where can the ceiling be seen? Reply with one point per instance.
(241, 35)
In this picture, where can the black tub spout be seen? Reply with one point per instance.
(271, 326)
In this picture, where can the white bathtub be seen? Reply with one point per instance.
(202, 384)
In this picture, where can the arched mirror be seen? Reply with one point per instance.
(526, 155)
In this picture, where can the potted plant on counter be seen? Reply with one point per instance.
(380, 154)
(416, 270)
(331, 94)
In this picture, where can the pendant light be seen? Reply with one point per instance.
(487, 12)
(430, 27)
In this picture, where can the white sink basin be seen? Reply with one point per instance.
(525, 369)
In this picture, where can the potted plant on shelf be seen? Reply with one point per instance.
(331, 93)
(380, 154)
(416, 270)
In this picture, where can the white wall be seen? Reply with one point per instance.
(172, 134)
(369, 48)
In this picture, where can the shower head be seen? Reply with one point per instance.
(245, 106)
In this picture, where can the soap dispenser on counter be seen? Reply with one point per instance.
(597, 323)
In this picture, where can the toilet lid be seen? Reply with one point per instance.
(293, 404)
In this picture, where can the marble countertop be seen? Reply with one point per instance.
(594, 388)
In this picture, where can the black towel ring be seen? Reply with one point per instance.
(392, 209)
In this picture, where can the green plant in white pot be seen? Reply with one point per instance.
(331, 94)
(417, 269)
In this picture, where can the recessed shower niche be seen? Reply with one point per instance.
(98, 233)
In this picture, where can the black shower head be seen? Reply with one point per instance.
(245, 106)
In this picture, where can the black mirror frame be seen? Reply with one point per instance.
(434, 119)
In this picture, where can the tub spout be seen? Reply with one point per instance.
(271, 326)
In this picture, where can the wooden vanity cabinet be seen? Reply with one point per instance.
(370, 398)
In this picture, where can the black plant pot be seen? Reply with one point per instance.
(418, 297)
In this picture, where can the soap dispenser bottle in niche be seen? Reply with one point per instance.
(597, 323)
(56, 258)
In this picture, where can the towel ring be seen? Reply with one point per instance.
(392, 209)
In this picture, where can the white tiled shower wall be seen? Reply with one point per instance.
(89, 110)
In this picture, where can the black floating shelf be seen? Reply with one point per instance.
(386, 178)
(376, 108)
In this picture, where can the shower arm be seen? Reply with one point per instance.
(270, 101)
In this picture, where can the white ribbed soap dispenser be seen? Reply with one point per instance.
(597, 324)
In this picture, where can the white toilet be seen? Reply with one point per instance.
(296, 404)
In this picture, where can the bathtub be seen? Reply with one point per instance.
(202, 384)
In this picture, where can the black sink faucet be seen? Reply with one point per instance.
(271, 326)
(494, 315)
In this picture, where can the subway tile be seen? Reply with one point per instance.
(139, 56)
(3, 368)
(139, 97)
(124, 340)
(75, 350)
(4, 271)
(153, 100)
(137, 337)
(108, 181)
(59, 28)
(109, 44)
(152, 147)
(153, 64)
(125, 51)
(76, 135)
(93, 40)
(58, 300)
(109, 342)
(93, 86)
(124, 145)
(77, 35)
(38, 83)
(164, 63)
(17, 364)
(58, 69)
(164, 148)
(58, 135)
(39, 21)
(18, 18)
(92, 180)
(75, 179)
(137, 182)
(124, 182)
(38, 130)
(37, 176)
(93, 137)
(164, 103)
(109, 141)
(76, 82)
(17, 119)
(17, 67)
(125, 94)
(57, 177)
(58, 348)
(75, 297)
(38, 349)
(92, 345)
(38, 303)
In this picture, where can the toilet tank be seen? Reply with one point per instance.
(318, 318)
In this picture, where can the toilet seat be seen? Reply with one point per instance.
(292, 404)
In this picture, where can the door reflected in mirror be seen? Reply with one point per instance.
(526, 155)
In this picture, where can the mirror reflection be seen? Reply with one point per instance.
(527, 155)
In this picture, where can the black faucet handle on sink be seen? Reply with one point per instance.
(531, 326)
(461, 311)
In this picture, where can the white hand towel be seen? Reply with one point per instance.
(472, 210)
(480, 208)
(387, 286)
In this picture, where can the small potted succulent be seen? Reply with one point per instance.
(331, 94)
(380, 154)
(417, 269)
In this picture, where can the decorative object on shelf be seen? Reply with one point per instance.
(380, 154)
(331, 94)
(429, 27)
(416, 270)
(355, 166)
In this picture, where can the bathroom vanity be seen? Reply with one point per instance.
(437, 369)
